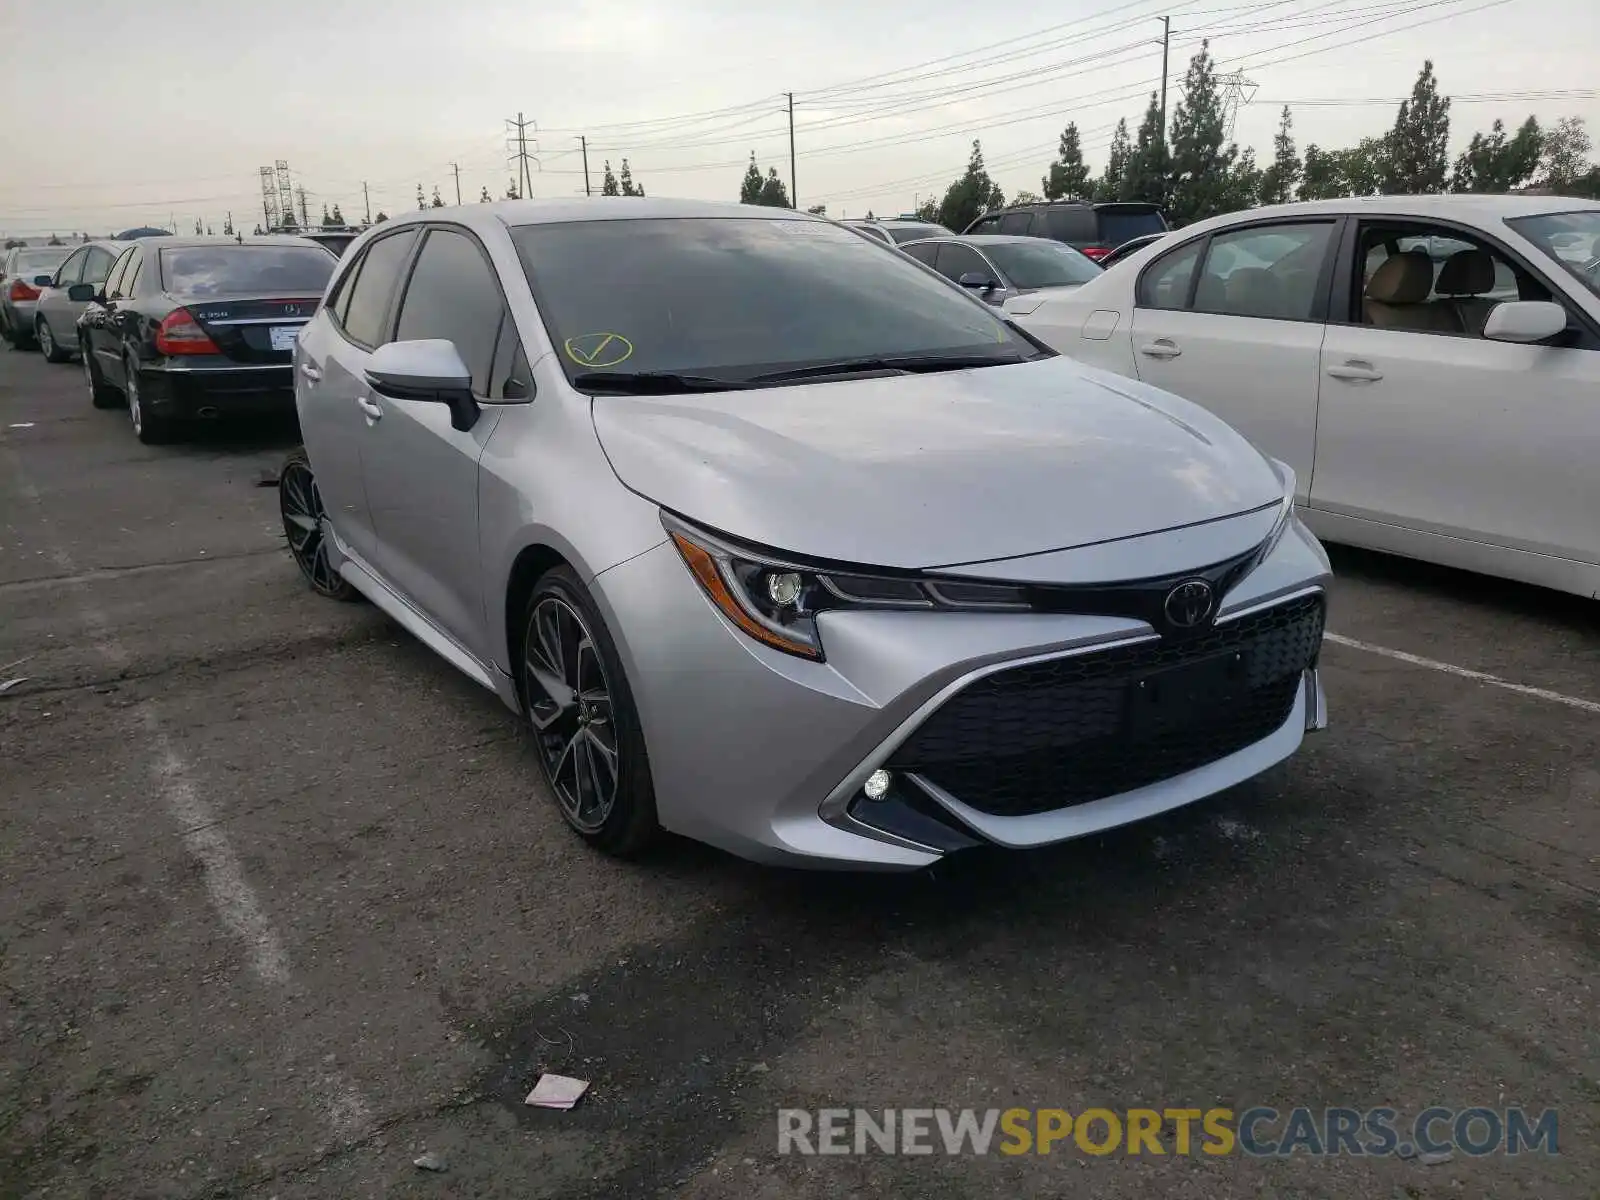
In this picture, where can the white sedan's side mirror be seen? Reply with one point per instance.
(1524, 321)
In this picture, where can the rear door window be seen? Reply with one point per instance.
(1016, 222)
(956, 260)
(121, 285)
(453, 294)
(368, 307)
(98, 265)
(923, 252)
(71, 271)
(118, 270)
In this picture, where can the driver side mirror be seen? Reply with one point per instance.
(982, 283)
(429, 370)
(82, 293)
(1524, 321)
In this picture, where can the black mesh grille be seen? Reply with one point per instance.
(1064, 732)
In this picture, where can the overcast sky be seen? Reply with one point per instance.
(122, 114)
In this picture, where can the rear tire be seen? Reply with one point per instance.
(584, 723)
(300, 505)
(101, 393)
(47, 343)
(149, 428)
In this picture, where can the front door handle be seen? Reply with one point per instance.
(370, 408)
(1356, 371)
(1160, 348)
(310, 372)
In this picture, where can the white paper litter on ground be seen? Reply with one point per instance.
(556, 1091)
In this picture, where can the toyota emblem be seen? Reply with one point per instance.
(1188, 606)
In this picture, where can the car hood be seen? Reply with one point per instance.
(938, 469)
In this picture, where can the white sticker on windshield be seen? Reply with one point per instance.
(804, 228)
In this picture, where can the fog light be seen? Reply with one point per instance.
(877, 785)
(783, 589)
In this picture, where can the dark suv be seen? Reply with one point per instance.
(1095, 229)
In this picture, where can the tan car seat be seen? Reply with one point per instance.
(1465, 277)
(1397, 297)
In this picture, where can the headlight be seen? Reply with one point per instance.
(776, 600)
(1285, 513)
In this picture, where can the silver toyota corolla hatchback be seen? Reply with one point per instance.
(785, 543)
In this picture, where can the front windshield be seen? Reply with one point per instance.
(736, 297)
(1040, 263)
(1572, 239)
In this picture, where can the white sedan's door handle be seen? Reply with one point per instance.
(370, 408)
(310, 372)
(1356, 371)
(1160, 348)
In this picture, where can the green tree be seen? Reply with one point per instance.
(227, 228)
(1027, 197)
(1242, 185)
(327, 217)
(608, 182)
(1417, 157)
(1319, 178)
(1278, 182)
(289, 224)
(199, 229)
(629, 188)
(512, 191)
(773, 193)
(1566, 155)
(485, 197)
(1069, 174)
(437, 201)
(971, 196)
(422, 201)
(927, 211)
(1111, 183)
(1145, 171)
(1201, 161)
(1365, 168)
(818, 210)
(1493, 162)
(380, 218)
(338, 217)
(750, 185)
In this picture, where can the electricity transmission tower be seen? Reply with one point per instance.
(1235, 91)
(519, 141)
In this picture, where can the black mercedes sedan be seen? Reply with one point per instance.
(192, 329)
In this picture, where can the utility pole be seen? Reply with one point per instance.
(367, 200)
(1166, 41)
(794, 188)
(583, 142)
(456, 167)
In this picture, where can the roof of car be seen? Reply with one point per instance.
(192, 243)
(1458, 205)
(985, 239)
(596, 208)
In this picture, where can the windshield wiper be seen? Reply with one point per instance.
(906, 364)
(651, 383)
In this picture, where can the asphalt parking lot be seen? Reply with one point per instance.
(282, 905)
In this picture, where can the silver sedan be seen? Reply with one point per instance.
(782, 543)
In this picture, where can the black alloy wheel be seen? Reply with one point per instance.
(300, 504)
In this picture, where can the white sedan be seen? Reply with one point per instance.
(1428, 365)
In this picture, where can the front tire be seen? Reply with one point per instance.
(585, 726)
(300, 505)
(47, 343)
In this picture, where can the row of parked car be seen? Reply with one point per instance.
(173, 329)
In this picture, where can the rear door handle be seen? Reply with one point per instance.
(1160, 348)
(310, 372)
(1356, 371)
(370, 408)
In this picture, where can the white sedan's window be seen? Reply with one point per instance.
(1265, 272)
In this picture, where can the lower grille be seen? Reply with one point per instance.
(1053, 734)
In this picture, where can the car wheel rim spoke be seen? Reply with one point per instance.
(300, 503)
(569, 704)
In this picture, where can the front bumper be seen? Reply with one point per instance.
(765, 755)
(199, 390)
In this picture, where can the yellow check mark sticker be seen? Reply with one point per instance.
(599, 350)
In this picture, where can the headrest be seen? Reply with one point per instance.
(1467, 273)
(1402, 279)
